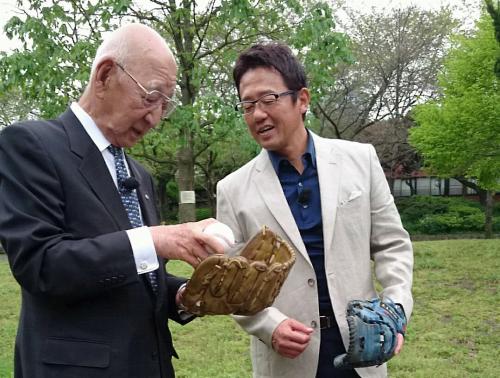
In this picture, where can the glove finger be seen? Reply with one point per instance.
(373, 334)
(241, 285)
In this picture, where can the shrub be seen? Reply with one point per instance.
(412, 209)
(496, 224)
(496, 209)
(464, 210)
(437, 215)
(450, 223)
(438, 224)
(172, 190)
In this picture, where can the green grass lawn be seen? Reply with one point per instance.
(454, 330)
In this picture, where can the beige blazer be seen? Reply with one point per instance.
(360, 225)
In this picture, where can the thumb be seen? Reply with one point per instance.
(298, 326)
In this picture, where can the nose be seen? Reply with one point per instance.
(259, 113)
(154, 116)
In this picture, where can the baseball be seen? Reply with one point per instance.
(221, 232)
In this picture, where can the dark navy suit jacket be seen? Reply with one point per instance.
(85, 311)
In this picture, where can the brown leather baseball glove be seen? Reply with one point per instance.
(240, 285)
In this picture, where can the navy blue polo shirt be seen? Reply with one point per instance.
(303, 197)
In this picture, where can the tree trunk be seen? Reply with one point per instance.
(464, 191)
(162, 198)
(412, 183)
(488, 212)
(469, 184)
(185, 180)
(483, 196)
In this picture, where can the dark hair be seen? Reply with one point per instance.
(272, 55)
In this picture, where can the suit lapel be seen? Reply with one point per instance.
(96, 173)
(328, 163)
(267, 183)
(94, 169)
(144, 194)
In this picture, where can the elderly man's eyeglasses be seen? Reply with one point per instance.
(154, 98)
(269, 99)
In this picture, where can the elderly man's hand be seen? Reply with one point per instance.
(186, 241)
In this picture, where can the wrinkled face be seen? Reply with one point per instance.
(279, 126)
(129, 114)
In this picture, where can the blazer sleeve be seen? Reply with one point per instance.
(390, 244)
(46, 258)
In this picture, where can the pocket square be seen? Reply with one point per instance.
(352, 196)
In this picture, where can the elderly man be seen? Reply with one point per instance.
(77, 222)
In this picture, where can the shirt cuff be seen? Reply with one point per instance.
(181, 310)
(143, 249)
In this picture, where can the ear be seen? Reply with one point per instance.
(304, 98)
(102, 76)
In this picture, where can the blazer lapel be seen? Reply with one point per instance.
(94, 169)
(328, 163)
(267, 183)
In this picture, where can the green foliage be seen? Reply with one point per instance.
(494, 12)
(321, 48)
(13, 107)
(414, 208)
(203, 213)
(452, 222)
(59, 41)
(458, 134)
(173, 190)
(496, 208)
(442, 215)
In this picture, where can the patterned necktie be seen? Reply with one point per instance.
(129, 200)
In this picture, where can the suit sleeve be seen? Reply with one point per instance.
(45, 258)
(172, 282)
(390, 244)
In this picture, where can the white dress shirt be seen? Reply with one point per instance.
(140, 238)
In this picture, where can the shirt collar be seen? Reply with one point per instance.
(276, 158)
(90, 127)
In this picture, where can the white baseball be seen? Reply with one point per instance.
(221, 232)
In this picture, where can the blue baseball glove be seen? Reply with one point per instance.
(373, 328)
